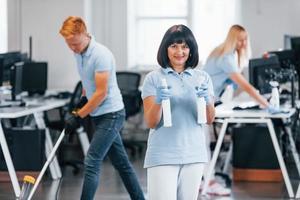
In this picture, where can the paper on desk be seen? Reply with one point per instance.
(247, 104)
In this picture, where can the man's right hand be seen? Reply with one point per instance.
(71, 124)
(73, 121)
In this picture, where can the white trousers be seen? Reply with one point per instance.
(174, 182)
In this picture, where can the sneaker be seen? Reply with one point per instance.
(217, 189)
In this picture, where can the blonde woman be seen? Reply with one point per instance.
(224, 65)
(226, 61)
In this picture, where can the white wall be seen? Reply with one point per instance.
(110, 27)
(14, 27)
(42, 20)
(268, 20)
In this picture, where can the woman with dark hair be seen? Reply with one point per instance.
(176, 155)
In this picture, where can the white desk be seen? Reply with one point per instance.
(36, 108)
(253, 116)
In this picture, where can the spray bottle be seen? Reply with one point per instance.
(201, 110)
(228, 94)
(201, 105)
(275, 101)
(166, 107)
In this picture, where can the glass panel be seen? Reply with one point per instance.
(149, 36)
(152, 8)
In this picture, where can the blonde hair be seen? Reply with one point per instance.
(229, 46)
(73, 25)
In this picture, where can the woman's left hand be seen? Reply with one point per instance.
(203, 92)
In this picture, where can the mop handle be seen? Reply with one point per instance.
(49, 160)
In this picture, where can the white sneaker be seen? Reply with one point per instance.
(217, 189)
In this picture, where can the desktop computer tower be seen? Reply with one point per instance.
(26, 148)
(254, 157)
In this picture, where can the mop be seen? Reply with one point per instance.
(47, 163)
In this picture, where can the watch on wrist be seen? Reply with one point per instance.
(75, 113)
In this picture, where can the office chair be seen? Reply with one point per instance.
(128, 83)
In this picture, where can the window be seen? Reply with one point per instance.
(211, 22)
(3, 26)
(148, 21)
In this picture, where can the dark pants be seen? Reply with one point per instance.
(107, 141)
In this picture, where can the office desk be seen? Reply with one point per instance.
(36, 108)
(229, 115)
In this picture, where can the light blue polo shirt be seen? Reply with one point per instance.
(184, 142)
(219, 69)
(97, 58)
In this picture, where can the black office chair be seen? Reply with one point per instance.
(128, 83)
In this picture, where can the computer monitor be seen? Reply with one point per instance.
(262, 71)
(35, 77)
(1, 71)
(16, 79)
(9, 59)
(295, 45)
(286, 58)
(288, 73)
(295, 42)
(24, 57)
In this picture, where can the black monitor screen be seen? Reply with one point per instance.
(295, 44)
(35, 77)
(8, 61)
(1, 71)
(16, 79)
(286, 58)
(262, 71)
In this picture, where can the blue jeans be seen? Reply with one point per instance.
(107, 141)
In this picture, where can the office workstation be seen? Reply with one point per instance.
(252, 138)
